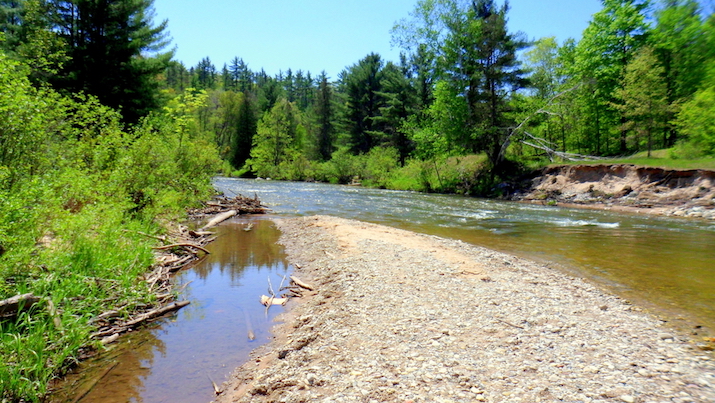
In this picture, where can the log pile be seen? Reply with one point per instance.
(221, 204)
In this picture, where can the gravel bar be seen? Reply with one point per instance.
(402, 317)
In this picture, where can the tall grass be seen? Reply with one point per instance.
(70, 216)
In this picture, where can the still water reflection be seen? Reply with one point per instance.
(176, 360)
(667, 264)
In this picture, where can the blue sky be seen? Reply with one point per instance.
(316, 35)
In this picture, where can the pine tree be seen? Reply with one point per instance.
(324, 112)
(362, 86)
(481, 59)
(114, 52)
(204, 75)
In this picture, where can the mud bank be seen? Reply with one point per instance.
(398, 316)
(688, 193)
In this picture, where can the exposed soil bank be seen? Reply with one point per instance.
(398, 316)
(688, 193)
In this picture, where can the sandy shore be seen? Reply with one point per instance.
(402, 317)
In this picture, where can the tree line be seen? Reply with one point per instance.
(641, 78)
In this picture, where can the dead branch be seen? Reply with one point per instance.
(161, 238)
(11, 306)
(301, 283)
(156, 313)
(183, 244)
(544, 145)
(270, 301)
(219, 219)
(514, 131)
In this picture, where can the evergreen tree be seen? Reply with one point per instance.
(11, 16)
(177, 77)
(114, 52)
(481, 60)
(399, 102)
(245, 132)
(423, 73)
(362, 83)
(226, 83)
(241, 75)
(204, 75)
(324, 112)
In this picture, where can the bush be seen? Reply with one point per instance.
(75, 191)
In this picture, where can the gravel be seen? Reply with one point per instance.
(398, 316)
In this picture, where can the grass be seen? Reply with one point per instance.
(87, 265)
(658, 159)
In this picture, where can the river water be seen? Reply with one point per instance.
(664, 264)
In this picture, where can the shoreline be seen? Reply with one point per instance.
(399, 316)
(625, 188)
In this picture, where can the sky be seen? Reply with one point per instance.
(330, 35)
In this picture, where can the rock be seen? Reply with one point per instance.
(628, 399)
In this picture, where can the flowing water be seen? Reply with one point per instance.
(665, 264)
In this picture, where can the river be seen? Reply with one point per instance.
(666, 265)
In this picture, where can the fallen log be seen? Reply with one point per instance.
(270, 301)
(157, 312)
(219, 219)
(11, 306)
(301, 283)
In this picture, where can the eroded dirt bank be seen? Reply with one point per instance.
(628, 187)
(398, 316)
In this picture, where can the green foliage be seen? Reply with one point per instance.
(696, 120)
(21, 124)
(75, 190)
(279, 139)
(467, 175)
(113, 51)
(644, 98)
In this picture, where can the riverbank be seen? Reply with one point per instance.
(623, 187)
(398, 316)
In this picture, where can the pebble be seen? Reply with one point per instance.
(403, 323)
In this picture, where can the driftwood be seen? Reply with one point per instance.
(217, 390)
(242, 205)
(219, 219)
(12, 306)
(156, 313)
(270, 301)
(301, 283)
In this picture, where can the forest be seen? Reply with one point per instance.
(104, 136)
(470, 101)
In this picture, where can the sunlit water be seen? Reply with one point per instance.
(665, 264)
